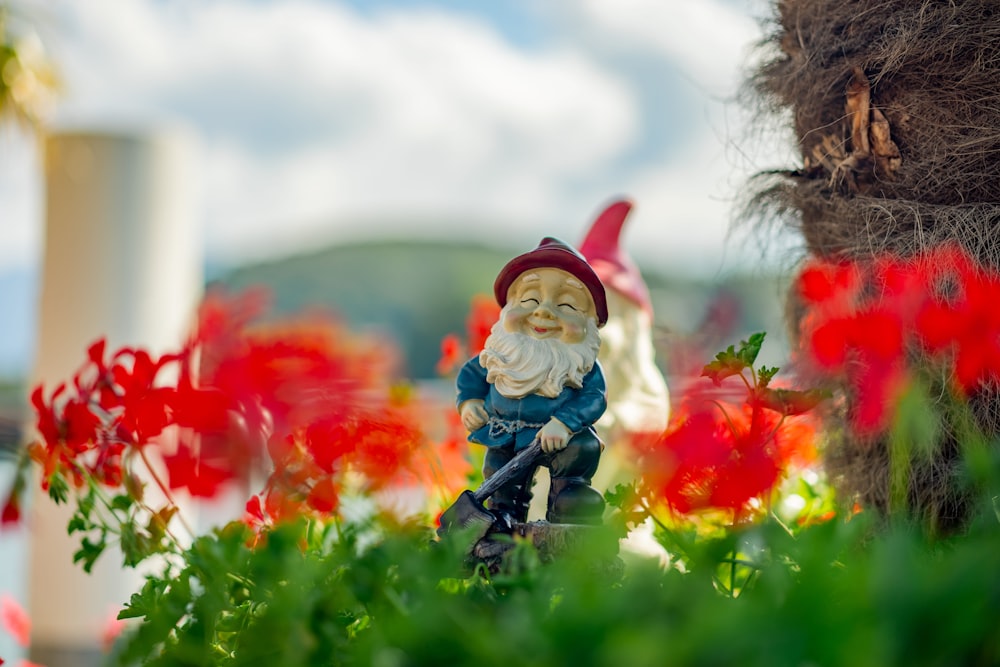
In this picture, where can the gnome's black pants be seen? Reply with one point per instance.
(571, 497)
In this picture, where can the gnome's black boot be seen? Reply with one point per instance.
(510, 502)
(571, 497)
(574, 500)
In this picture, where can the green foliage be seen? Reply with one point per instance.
(102, 521)
(843, 592)
(732, 361)
(806, 588)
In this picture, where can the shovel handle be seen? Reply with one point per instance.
(510, 470)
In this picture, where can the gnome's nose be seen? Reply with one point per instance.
(545, 309)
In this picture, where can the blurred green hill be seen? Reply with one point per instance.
(417, 291)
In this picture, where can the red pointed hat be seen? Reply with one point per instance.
(602, 249)
(554, 254)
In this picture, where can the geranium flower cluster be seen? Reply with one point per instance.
(483, 313)
(303, 401)
(730, 440)
(872, 324)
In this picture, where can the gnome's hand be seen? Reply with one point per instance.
(473, 414)
(553, 436)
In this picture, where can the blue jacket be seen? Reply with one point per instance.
(517, 420)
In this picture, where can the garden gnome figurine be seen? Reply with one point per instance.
(638, 398)
(538, 377)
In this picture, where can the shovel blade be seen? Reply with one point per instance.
(467, 514)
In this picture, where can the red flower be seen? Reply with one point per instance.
(47, 423)
(68, 430)
(858, 330)
(871, 334)
(942, 303)
(11, 513)
(965, 322)
(324, 496)
(702, 463)
(254, 512)
(482, 316)
(328, 440)
(203, 410)
(15, 619)
(452, 354)
(384, 447)
(829, 283)
(796, 441)
(200, 477)
(145, 407)
(443, 468)
(319, 400)
(720, 453)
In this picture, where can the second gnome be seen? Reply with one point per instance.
(538, 377)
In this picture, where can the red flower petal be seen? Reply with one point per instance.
(324, 496)
(199, 477)
(11, 513)
(452, 354)
(15, 619)
(828, 344)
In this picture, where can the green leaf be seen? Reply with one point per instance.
(89, 552)
(77, 524)
(733, 362)
(121, 502)
(146, 601)
(765, 374)
(750, 348)
(158, 522)
(85, 504)
(136, 545)
(726, 364)
(622, 496)
(58, 488)
(792, 402)
(916, 426)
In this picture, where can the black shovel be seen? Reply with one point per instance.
(468, 512)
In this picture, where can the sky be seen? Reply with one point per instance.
(319, 121)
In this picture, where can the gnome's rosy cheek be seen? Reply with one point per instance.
(515, 318)
(574, 329)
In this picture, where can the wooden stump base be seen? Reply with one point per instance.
(552, 541)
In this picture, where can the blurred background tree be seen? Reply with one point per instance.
(28, 88)
(28, 79)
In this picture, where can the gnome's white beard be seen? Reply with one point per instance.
(518, 365)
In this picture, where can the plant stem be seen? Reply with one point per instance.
(165, 491)
(729, 421)
(649, 513)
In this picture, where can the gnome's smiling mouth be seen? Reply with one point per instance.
(544, 332)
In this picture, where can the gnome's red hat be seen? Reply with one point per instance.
(602, 249)
(554, 254)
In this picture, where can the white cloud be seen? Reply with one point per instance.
(319, 123)
(311, 113)
(686, 197)
(709, 40)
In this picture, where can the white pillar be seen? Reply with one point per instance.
(122, 259)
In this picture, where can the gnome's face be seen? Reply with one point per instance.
(549, 304)
(546, 338)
